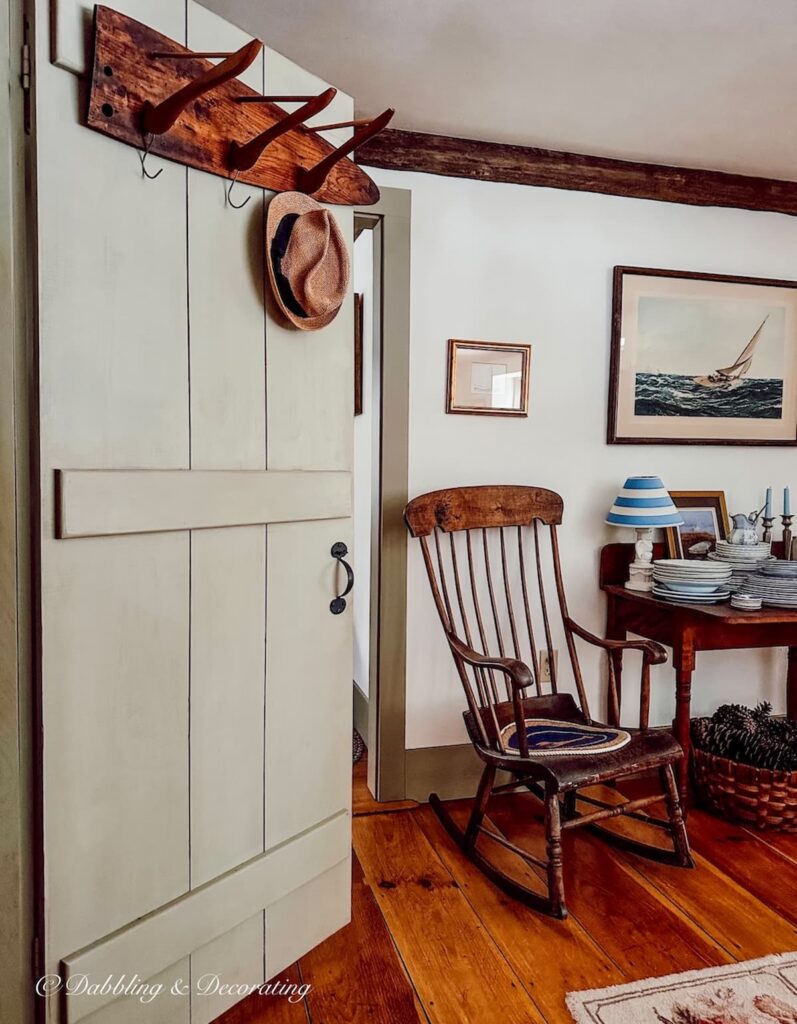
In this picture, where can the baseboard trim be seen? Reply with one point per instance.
(452, 772)
(360, 712)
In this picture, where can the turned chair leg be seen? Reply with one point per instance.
(553, 850)
(680, 839)
(479, 806)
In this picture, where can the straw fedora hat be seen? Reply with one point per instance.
(308, 261)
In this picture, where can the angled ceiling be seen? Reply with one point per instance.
(696, 83)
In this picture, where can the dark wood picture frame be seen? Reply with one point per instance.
(522, 349)
(696, 499)
(358, 353)
(620, 272)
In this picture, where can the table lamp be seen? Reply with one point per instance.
(643, 503)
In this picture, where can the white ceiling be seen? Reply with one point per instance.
(697, 83)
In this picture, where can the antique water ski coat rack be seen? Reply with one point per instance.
(154, 94)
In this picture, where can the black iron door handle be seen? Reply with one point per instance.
(339, 551)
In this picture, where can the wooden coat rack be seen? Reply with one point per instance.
(152, 93)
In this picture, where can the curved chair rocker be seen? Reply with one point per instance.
(548, 743)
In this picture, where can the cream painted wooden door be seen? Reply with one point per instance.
(195, 464)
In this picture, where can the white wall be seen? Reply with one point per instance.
(510, 263)
(363, 282)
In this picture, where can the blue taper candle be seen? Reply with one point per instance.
(786, 502)
(768, 505)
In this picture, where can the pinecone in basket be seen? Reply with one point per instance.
(749, 735)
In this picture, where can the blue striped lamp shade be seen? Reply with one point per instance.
(644, 502)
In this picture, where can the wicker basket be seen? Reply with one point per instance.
(759, 797)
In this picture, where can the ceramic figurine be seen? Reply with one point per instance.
(744, 530)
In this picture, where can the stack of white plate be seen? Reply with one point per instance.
(742, 558)
(690, 581)
(739, 551)
(775, 583)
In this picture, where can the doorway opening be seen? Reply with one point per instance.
(381, 277)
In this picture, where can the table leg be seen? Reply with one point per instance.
(614, 631)
(684, 667)
(791, 685)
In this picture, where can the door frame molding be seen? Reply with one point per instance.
(390, 220)
(17, 737)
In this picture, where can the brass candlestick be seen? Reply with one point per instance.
(787, 536)
(768, 521)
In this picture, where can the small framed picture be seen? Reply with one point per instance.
(702, 359)
(705, 521)
(488, 378)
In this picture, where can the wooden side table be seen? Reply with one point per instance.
(687, 629)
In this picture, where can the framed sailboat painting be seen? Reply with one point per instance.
(702, 359)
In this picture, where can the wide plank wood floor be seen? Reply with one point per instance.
(431, 941)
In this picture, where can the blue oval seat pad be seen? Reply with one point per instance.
(552, 737)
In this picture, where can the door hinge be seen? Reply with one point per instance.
(25, 78)
(26, 67)
(38, 966)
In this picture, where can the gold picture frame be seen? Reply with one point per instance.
(488, 378)
(707, 521)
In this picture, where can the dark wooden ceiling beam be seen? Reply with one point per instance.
(524, 165)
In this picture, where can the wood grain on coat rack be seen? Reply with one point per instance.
(139, 77)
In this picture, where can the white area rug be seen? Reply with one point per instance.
(751, 992)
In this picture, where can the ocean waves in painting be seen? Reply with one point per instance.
(668, 394)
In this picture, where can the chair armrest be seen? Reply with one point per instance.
(653, 653)
(518, 672)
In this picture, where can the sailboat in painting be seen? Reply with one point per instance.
(728, 378)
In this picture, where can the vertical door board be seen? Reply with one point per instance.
(309, 651)
(235, 958)
(228, 567)
(322, 905)
(308, 699)
(113, 391)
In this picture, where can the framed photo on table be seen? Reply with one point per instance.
(705, 521)
(488, 378)
(702, 359)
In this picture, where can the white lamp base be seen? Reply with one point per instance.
(640, 572)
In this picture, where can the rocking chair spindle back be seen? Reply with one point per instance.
(492, 558)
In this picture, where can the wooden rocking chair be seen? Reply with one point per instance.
(485, 526)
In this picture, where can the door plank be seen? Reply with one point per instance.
(228, 566)
(460, 974)
(573, 960)
(642, 932)
(228, 615)
(308, 707)
(307, 915)
(100, 503)
(356, 975)
(116, 734)
(112, 390)
(742, 924)
(234, 958)
(167, 1007)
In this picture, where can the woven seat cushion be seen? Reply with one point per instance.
(552, 737)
